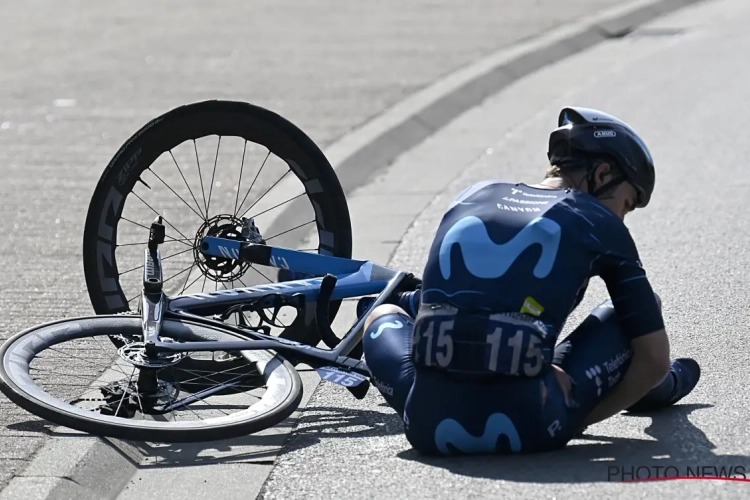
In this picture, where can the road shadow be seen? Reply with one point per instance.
(676, 442)
(310, 425)
(313, 424)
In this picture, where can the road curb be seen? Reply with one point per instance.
(362, 154)
(74, 466)
(421, 115)
(99, 468)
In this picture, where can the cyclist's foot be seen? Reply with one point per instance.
(685, 373)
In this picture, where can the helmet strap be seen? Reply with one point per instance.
(603, 188)
(572, 161)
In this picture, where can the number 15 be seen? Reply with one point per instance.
(443, 341)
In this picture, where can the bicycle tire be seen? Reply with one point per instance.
(192, 121)
(18, 351)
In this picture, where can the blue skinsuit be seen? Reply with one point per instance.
(509, 248)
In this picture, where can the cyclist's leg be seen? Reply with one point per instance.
(445, 415)
(387, 343)
(597, 354)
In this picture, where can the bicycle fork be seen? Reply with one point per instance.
(153, 301)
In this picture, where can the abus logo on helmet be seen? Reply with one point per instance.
(605, 133)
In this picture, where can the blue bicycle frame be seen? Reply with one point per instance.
(352, 278)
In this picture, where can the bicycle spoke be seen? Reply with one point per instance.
(125, 392)
(201, 400)
(140, 406)
(172, 277)
(253, 183)
(213, 176)
(165, 237)
(288, 230)
(62, 374)
(185, 181)
(222, 383)
(267, 191)
(187, 278)
(267, 278)
(157, 213)
(146, 243)
(239, 181)
(196, 375)
(104, 367)
(186, 407)
(177, 195)
(163, 259)
(213, 383)
(277, 206)
(166, 280)
(200, 176)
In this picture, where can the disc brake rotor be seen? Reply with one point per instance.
(224, 269)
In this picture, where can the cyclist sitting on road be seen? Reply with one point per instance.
(469, 361)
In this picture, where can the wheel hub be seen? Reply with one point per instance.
(224, 269)
(135, 354)
(123, 398)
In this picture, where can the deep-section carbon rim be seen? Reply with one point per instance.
(216, 122)
(281, 397)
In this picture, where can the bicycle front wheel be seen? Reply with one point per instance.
(99, 389)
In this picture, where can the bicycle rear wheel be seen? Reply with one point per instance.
(204, 167)
(114, 397)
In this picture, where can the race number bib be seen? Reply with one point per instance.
(510, 344)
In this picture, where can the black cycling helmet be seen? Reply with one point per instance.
(584, 132)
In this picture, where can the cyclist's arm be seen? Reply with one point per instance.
(647, 368)
(640, 318)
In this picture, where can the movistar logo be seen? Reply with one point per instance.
(451, 432)
(382, 327)
(486, 259)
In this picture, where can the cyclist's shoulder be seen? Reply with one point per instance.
(480, 186)
(608, 234)
(601, 220)
(518, 193)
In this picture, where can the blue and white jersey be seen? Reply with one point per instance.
(505, 247)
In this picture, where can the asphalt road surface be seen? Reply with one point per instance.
(682, 84)
(78, 78)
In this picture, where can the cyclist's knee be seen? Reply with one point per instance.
(381, 311)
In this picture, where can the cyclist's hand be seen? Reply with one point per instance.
(565, 383)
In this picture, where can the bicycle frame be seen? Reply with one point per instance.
(353, 278)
